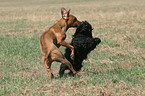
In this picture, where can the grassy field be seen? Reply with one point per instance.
(115, 68)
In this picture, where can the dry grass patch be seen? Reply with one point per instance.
(115, 67)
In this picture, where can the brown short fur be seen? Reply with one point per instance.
(54, 37)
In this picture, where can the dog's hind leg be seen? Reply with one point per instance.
(67, 63)
(47, 64)
(56, 55)
(63, 67)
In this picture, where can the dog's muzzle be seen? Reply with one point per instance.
(97, 40)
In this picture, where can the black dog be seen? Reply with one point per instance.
(83, 43)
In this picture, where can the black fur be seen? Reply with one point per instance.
(83, 43)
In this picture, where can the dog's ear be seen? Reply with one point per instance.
(68, 12)
(65, 13)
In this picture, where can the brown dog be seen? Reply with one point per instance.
(54, 37)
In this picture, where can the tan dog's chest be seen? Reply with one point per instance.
(58, 35)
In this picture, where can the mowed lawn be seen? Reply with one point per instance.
(115, 68)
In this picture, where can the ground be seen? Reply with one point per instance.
(115, 67)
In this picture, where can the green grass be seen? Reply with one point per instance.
(116, 67)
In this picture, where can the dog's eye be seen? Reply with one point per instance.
(75, 19)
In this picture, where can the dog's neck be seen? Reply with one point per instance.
(62, 24)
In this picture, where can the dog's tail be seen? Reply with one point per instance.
(97, 40)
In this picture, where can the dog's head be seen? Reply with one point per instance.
(70, 19)
(85, 29)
